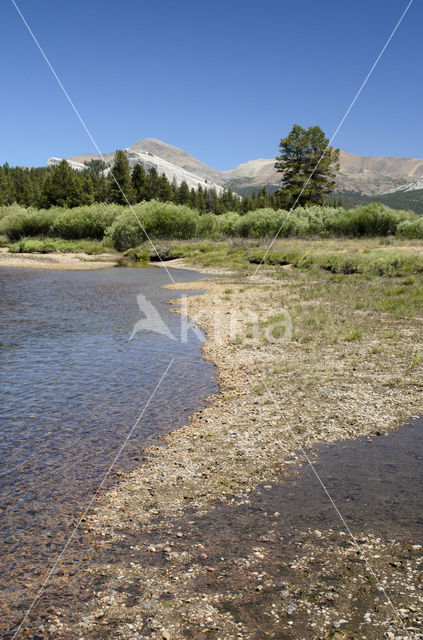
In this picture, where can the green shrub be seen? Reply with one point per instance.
(208, 226)
(120, 228)
(85, 222)
(411, 229)
(257, 224)
(158, 219)
(374, 219)
(167, 220)
(11, 209)
(227, 224)
(21, 222)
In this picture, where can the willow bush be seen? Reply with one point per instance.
(157, 219)
(120, 228)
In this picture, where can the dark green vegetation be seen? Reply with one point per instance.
(122, 228)
(308, 165)
(411, 200)
(60, 186)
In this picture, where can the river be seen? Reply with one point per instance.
(73, 386)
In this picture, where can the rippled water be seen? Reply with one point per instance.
(73, 386)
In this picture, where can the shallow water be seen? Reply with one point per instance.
(73, 387)
(376, 484)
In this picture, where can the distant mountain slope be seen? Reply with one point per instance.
(254, 174)
(361, 175)
(178, 157)
(165, 158)
(371, 176)
(408, 200)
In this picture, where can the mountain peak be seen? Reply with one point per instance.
(152, 142)
(360, 174)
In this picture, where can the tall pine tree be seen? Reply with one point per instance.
(183, 195)
(121, 190)
(139, 182)
(165, 191)
(308, 165)
(63, 188)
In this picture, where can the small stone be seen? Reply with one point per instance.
(165, 634)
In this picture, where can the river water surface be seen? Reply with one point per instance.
(73, 387)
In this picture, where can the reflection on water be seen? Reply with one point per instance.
(73, 387)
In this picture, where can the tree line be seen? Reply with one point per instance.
(307, 165)
(45, 187)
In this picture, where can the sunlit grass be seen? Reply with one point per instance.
(51, 245)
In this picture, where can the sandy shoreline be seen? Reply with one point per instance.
(70, 261)
(58, 261)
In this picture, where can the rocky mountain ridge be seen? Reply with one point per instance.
(361, 175)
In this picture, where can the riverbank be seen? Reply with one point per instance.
(70, 261)
(372, 257)
(352, 367)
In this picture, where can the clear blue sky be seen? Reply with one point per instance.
(224, 80)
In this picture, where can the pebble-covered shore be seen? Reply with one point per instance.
(175, 581)
(323, 393)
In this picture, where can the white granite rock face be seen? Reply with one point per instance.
(412, 186)
(149, 160)
(170, 170)
(53, 161)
